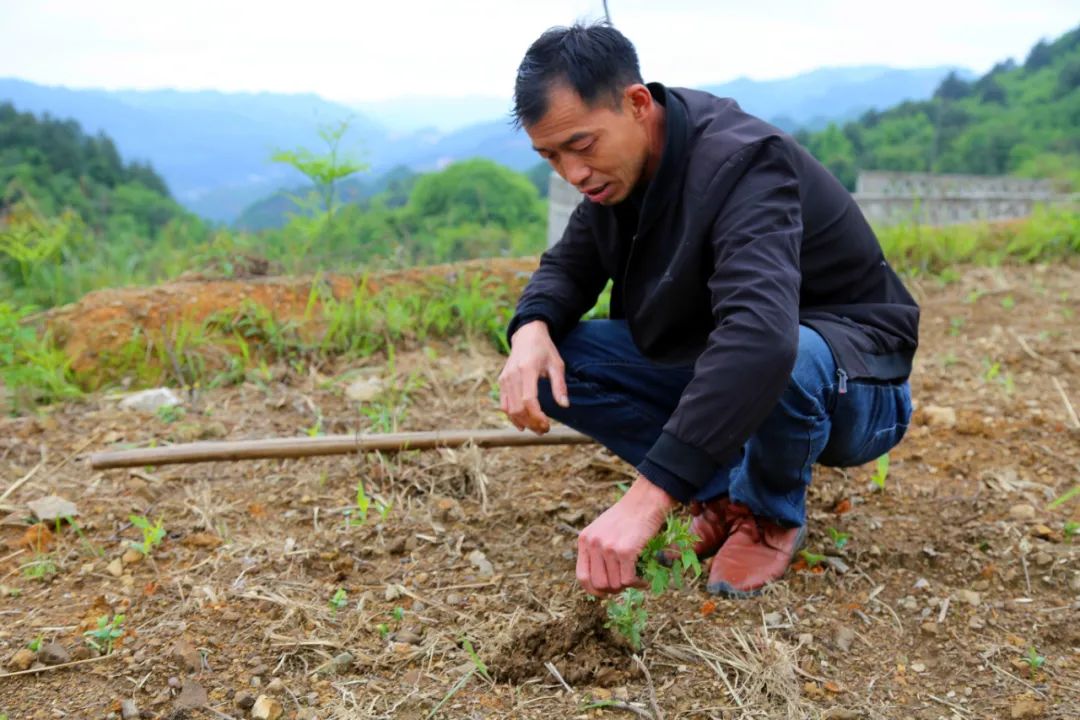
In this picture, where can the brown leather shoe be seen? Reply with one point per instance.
(755, 552)
(709, 525)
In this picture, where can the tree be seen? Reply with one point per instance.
(324, 171)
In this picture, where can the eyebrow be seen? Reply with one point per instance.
(569, 141)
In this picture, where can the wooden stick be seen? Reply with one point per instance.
(1068, 405)
(329, 445)
(50, 668)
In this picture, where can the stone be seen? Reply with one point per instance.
(837, 564)
(149, 401)
(844, 637)
(479, 561)
(53, 654)
(918, 667)
(192, 695)
(364, 389)
(1022, 512)
(908, 603)
(174, 682)
(275, 686)
(244, 700)
(976, 623)
(22, 659)
(266, 708)
(838, 713)
(1074, 583)
(393, 592)
(52, 508)
(921, 584)
(131, 556)
(186, 656)
(202, 540)
(115, 567)
(1043, 532)
(773, 619)
(938, 416)
(128, 709)
(806, 639)
(1026, 707)
(970, 597)
(408, 636)
(1043, 559)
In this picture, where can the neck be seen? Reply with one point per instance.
(655, 129)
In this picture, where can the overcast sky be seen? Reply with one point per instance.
(363, 50)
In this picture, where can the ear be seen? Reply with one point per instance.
(638, 101)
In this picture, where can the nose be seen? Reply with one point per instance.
(576, 171)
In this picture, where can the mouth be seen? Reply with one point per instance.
(598, 193)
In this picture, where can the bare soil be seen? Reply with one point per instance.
(953, 573)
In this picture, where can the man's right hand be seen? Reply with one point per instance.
(532, 356)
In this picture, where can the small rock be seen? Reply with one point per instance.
(396, 546)
(393, 592)
(478, 560)
(186, 656)
(976, 623)
(174, 682)
(1022, 512)
(875, 551)
(53, 654)
(21, 660)
(918, 667)
(844, 637)
(115, 567)
(149, 401)
(202, 540)
(773, 619)
(192, 695)
(806, 639)
(970, 597)
(837, 564)
(266, 708)
(131, 556)
(275, 686)
(128, 709)
(908, 603)
(838, 713)
(52, 508)
(937, 416)
(448, 509)
(408, 636)
(364, 389)
(930, 628)
(1043, 559)
(312, 699)
(1074, 584)
(1026, 707)
(921, 584)
(244, 700)
(1043, 532)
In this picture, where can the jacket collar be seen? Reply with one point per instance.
(667, 183)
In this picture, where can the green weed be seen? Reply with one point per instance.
(40, 567)
(105, 634)
(840, 539)
(1034, 660)
(339, 600)
(881, 474)
(357, 514)
(152, 535)
(170, 413)
(812, 559)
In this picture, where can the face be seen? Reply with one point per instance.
(603, 151)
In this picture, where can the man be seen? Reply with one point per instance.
(756, 327)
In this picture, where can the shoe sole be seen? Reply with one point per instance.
(722, 588)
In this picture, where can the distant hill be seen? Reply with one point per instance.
(1015, 119)
(213, 148)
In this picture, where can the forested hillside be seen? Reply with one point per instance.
(1016, 119)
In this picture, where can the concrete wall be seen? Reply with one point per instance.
(891, 198)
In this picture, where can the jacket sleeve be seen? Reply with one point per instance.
(749, 355)
(568, 281)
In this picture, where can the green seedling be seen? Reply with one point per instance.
(1034, 660)
(812, 559)
(170, 413)
(152, 534)
(1008, 302)
(949, 360)
(1071, 528)
(840, 539)
(399, 613)
(383, 509)
(882, 473)
(383, 629)
(357, 515)
(40, 567)
(476, 661)
(993, 369)
(35, 644)
(973, 296)
(955, 325)
(105, 634)
(1064, 497)
(626, 612)
(339, 600)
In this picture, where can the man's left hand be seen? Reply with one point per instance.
(609, 547)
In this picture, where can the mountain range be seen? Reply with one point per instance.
(213, 148)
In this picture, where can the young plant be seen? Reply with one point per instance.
(383, 508)
(152, 534)
(360, 509)
(399, 613)
(35, 644)
(41, 566)
(812, 559)
(1034, 660)
(840, 539)
(1071, 528)
(626, 612)
(170, 413)
(105, 634)
(339, 600)
(1008, 302)
(882, 473)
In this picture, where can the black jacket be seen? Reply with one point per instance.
(742, 236)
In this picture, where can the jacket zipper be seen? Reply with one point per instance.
(842, 378)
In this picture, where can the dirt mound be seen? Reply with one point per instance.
(106, 319)
(578, 644)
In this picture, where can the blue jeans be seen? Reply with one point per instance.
(622, 400)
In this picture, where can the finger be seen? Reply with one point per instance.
(613, 566)
(584, 577)
(557, 377)
(535, 417)
(598, 573)
(627, 569)
(695, 508)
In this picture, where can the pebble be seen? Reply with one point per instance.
(53, 654)
(976, 623)
(918, 667)
(479, 561)
(174, 682)
(1042, 531)
(773, 619)
(192, 695)
(52, 508)
(930, 628)
(1074, 584)
(312, 699)
(908, 603)
(1026, 707)
(131, 556)
(266, 708)
(842, 714)
(21, 660)
(1043, 558)
(244, 700)
(921, 584)
(186, 656)
(83, 652)
(1023, 511)
(150, 400)
(128, 709)
(938, 416)
(806, 639)
(393, 592)
(275, 686)
(970, 597)
(408, 636)
(844, 637)
(115, 567)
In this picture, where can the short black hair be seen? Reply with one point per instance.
(593, 60)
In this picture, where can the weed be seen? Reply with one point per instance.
(476, 661)
(152, 534)
(1064, 497)
(105, 634)
(383, 508)
(360, 509)
(384, 630)
(170, 413)
(627, 615)
(840, 539)
(40, 567)
(399, 613)
(993, 369)
(956, 324)
(881, 474)
(812, 559)
(35, 644)
(339, 600)
(1071, 528)
(1008, 303)
(1034, 660)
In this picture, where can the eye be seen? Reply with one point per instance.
(585, 147)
